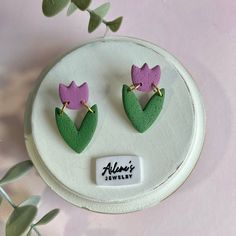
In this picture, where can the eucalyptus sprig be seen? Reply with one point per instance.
(23, 215)
(53, 7)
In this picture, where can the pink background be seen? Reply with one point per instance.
(202, 34)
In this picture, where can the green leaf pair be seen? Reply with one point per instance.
(44, 220)
(141, 118)
(53, 7)
(96, 18)
(77, 139)
(22, 217)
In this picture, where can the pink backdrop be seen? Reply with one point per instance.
(202, 34)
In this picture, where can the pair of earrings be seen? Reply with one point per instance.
(73, 97)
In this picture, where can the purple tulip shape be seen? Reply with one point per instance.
(74, 95)
(145, 77)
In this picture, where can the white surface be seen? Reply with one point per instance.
(201, 34)
(118, 170)
(169, 149)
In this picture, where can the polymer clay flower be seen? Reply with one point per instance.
(74, 95)
(145, 77)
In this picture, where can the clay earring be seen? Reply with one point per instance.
(76, 97)
(144, 79)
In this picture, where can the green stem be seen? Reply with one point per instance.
(7, 197)
(89, 11)
(36, 231)
(106, 32)
(32, 227)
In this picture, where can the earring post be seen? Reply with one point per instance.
(87, 106)
(64, 106)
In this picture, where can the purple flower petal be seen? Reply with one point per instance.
(146, 77)
(74, 95)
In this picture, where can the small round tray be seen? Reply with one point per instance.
(169, 149)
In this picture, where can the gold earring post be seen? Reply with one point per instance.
(157, 90)
(134, 86)
(64, 107)
(87, 106)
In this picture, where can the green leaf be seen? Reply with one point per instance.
(115, 24)
(82, 4)
(47, 218)
(1, 199)
(94, 22)
(72, 8)
(77, 138)
(20, 219)
(16, 171)
(102, 10)
(52, 7)
(33, 201)
(142, 118)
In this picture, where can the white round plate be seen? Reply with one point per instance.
(169, 149)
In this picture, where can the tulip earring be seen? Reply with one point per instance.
(74, 97)
(144, 80)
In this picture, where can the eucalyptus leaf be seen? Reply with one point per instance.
(33, 200)
(52, 7)
(1, 199)
(71, 9)
(82, 4)
(20, 219)
(48, 217)
(16, 172)
(115, 24)
(94, 22)
(102, 10)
